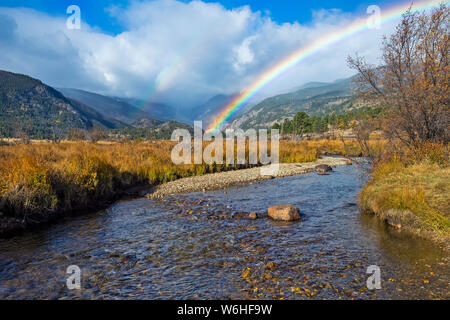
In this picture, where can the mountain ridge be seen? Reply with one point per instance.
(41, 111)
(315, 98)
(105, 105)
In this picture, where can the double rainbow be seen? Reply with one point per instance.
(290, 61)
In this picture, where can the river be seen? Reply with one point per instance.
(202, 246)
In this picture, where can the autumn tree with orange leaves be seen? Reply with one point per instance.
(413, 81)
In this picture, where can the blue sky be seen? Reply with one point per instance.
(180, 52)
(281, 11)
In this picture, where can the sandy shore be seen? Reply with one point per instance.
(223, 180)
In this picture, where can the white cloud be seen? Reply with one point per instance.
(244, 54)
(175, 52)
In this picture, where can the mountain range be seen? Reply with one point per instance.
(314, 98)
(42, 112)
(107, 106)
(208, 110)
(28, 104)
(155, 110)
(128, 110)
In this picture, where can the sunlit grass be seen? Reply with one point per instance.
(416, 185)
(70, 175)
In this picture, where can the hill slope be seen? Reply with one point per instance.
(107, 106)
(315, 98)
(146, 123)
(206, 111)
(28, 105)
(210, 109)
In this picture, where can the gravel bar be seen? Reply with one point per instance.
(227, 179)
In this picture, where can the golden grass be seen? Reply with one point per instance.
(68, 175)
(74, 175)
(416, 187)
(306, 151)
(46, 177)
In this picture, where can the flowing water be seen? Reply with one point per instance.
(202, 246)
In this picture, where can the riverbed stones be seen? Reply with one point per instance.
(252, 216)
(323, 169)
(271, 266)
(284, 212)
(227, 179)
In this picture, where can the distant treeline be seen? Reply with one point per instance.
(161, 132)
(40, 132)
(302, 123)
(121, 134)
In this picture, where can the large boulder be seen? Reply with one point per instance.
(284, 212)
(323, 168)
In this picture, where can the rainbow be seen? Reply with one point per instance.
(301, 54)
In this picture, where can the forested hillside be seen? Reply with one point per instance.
(29, 107)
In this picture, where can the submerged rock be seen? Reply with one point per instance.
(394, 216)
(284, 212)
(394, 224)
(323, 169)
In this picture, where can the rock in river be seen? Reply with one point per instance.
(253, 216)
(284, 212)
(323, 168)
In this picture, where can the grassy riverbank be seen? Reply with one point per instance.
(39, 182)
(412, 191)
(42, 182)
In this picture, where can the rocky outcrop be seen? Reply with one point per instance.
(284, 212)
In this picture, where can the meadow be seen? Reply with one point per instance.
(42, 181)
(49, 177)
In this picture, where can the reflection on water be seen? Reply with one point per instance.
(400, 245)
(202, 246)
